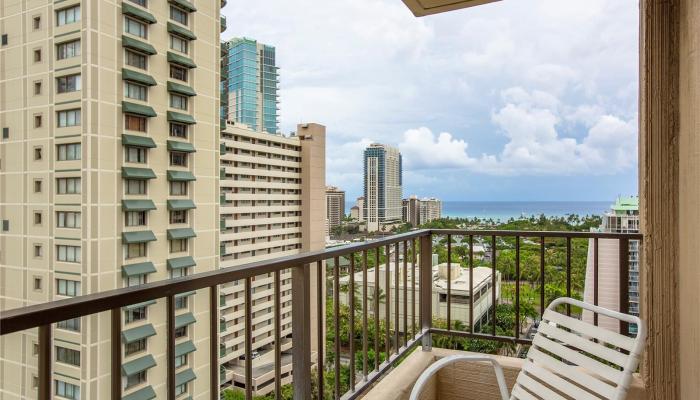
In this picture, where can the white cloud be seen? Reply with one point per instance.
(421, 149)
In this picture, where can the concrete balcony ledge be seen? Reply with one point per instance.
(463, 381)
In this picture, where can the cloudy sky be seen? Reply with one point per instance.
(515, 100)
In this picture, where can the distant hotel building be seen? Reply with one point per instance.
(357, 211)
(109, 179)
(421, 211)
(459, 290)
(382, 186)
(623, 217)
(272, 194)
(335, 207)
(250, 85)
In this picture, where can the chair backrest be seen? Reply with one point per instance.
(572, 359)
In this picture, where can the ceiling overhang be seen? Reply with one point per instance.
(421, 8)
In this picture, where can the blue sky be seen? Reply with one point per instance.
(515, 100)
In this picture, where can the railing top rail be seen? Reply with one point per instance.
(547, 234)
(22, 318)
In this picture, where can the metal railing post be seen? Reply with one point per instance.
(624, 246)
(301, 332)
(425, 289)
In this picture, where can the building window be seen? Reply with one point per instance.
(67, 185)
(68, 49)
(65, 287)
(135, 186)
(37, 153)
(178, 216)
(177, 72)
(69, 325)
(68, 356)
(136, 280)
(37, 283)
(178, 159)
(37, 88)
(179, 272)
(134, 123)
(37, 218)
(181, 361)
(180, 389)
(178, 245)
(135, 250)
(67, 253)
(68, 15)
(180, 302)
(135, 347)
(35, 382)
(37, 55)
(68, 118)
(135, 314)
(134, 91)
(67, 390)
(68, 83)
(135, 218)
(37, 121)
(68, 219)
(178, 44)
(38, 251)
(180, 332)
(137, 60)
(178, 130)
(177, 101)
(68, 151)
(178, 188)
(36, 22)
(135, 379)
(135, 154)
(178, 14)
(135, 27)
(37, 186)
(142, 3)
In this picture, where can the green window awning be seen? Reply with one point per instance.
(138, 13)
(181, 31)
(184, 320)
(138, 333)
(184, 4)
(176, 205)
(138, 205)
(181, 60)
(138, 77)
(138, 237)
(134, 44)
(184, 377)
(185, 147)
(138, 109)
(139, 305)
(137, 173)
(185, 294)
(181, 233)
(146, 393)
(138, 365)
(138, 141)
(180, 176)
(138, 269)
(181, 89)
(184, 348)
(181, 118)
(181, 262)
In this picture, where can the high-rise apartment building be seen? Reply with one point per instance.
(251, 84)
(108, 179)
(335, 207)
(623, 217)
(272, 205)
(420, 211)
(382, 186)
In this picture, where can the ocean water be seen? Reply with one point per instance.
(503, 210)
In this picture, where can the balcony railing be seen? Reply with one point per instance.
(396, 323)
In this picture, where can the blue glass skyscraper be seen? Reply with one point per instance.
(251, 84)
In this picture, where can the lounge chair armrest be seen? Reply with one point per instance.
(443, 362)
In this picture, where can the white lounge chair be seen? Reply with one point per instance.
(568, 359)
